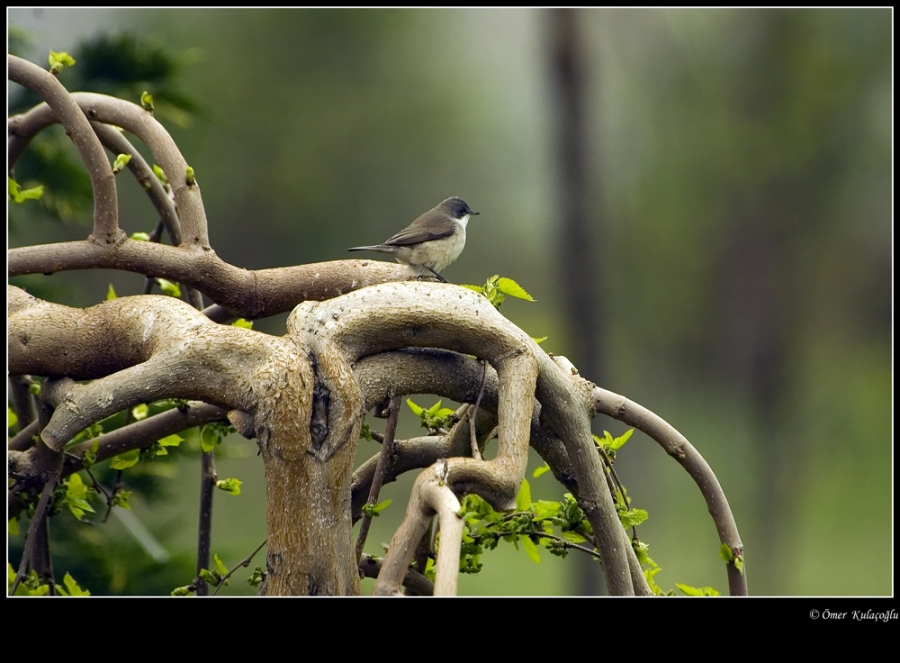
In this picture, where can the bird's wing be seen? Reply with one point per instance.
(413, 235)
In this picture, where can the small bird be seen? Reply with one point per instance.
(432, 241)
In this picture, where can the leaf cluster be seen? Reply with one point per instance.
(34, 585)
(497, 288)
(436, 419)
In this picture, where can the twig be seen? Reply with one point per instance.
(244, 563)
(476, 452)
(677, 446)
(204, 527)
(22, 400)
(22, 440)
(31, 536)
(413, 581)
(380, 469)
(45, 85)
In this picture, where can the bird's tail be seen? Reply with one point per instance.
(377, 247)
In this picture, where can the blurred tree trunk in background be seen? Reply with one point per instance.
(576, 230)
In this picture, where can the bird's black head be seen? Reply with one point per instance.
(457, 208)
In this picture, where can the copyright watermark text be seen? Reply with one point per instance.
(855, 615)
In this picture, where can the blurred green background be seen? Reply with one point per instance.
(731, 173)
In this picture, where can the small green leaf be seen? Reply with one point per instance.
(540, 339)
(140, 412)
(120, 499)
(59, 61)
(147, 101)
(111, 293)
(11, 418)
(374, 510)
(182, 591)
(544, 509)
(573, 537)
(77, 493)
(381, 506)
(255, 579)
(696, 591)
(230, 486)
(125, 460)
(620, 441)
(90, 456)
(120, 163)
(12, 527)
(415, 408)
(209, 438)
(140, 236)
(160, 174)
(189, 176)
(633, 517)
(523, 499)
(476, 288)
(540, 471)
(71, 588)
(219, 566)
(209, 577)
(531, 549)
(726, 553)
(244, 324)
(20, 195)
(169, 288)
(728, 556)
(171, 441)
(509, 287)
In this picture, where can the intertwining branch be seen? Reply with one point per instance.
(359, 333)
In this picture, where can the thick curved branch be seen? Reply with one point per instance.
(677, 446)
(248, 294)
(135, 349)
(395, 315)
(45, 85)
(400, 315)
(116, 143)
(457, 376)
(140, 122)
(23, 128)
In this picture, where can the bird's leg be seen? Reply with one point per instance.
(439, 277)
